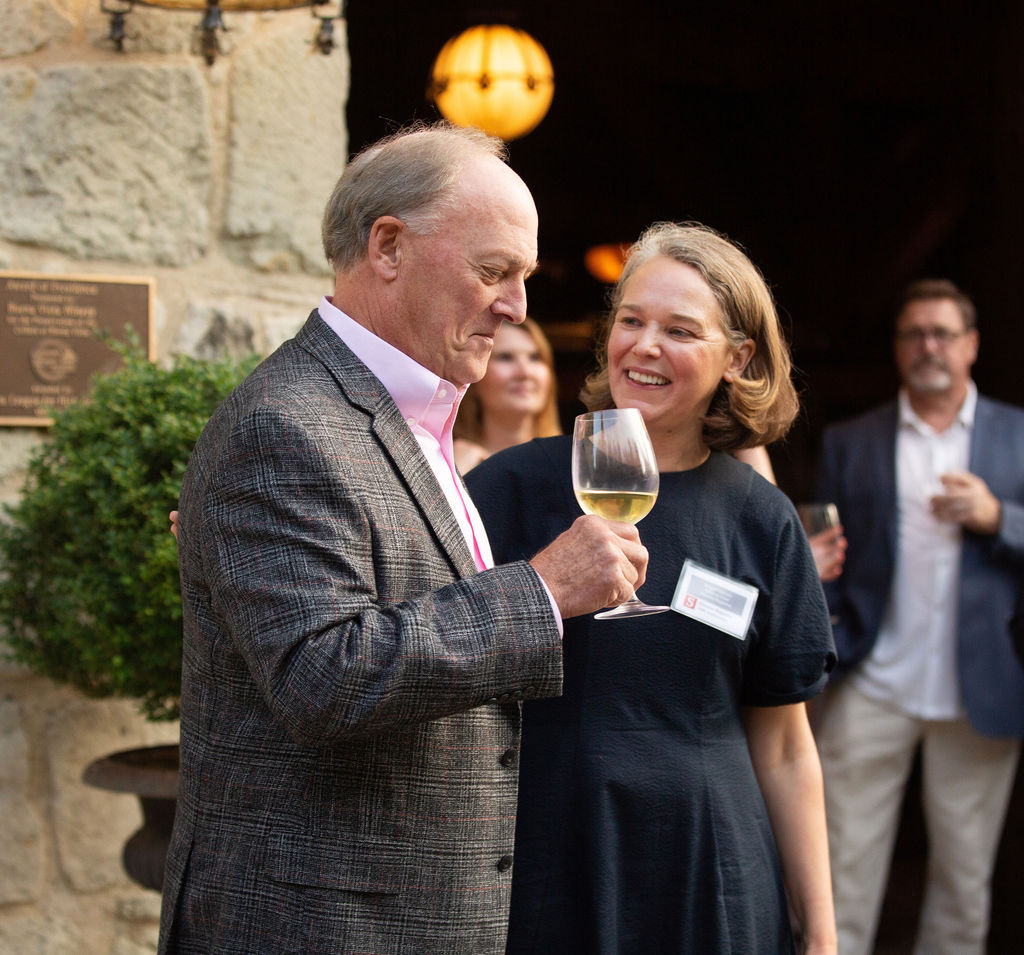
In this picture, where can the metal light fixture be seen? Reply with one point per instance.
(213, 20)
(494, 77)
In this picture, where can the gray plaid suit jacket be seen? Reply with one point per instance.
(350, 686)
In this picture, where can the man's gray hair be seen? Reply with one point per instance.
(931, 290)
(410, 175)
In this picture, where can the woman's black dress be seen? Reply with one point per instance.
(641, 829)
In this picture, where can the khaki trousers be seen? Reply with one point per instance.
(867, 750)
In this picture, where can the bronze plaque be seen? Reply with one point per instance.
(49, 342)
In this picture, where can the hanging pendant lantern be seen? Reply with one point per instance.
(494, 77)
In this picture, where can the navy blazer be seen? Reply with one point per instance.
(858, 473)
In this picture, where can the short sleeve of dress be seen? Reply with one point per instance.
(792, 651)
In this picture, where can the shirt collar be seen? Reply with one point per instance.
(964, 417)
(422, 397)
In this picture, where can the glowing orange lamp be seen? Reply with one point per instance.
(494, 77)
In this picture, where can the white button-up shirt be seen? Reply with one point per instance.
(913, 663)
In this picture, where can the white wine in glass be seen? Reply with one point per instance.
(615, 476)
(628, 506)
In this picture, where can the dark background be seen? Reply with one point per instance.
(849, 149)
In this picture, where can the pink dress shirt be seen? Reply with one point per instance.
(429, 405)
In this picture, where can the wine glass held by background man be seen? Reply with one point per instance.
(352, 661)
(671, 799)
(828, 545)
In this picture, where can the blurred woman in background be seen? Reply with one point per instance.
(515, 401)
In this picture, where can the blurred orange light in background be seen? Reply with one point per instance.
(605, 262)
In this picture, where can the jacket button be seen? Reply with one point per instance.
(508, 758)
(504, 863)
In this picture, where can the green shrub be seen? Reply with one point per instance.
(88, 570)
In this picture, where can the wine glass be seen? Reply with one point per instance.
(817, 517)
(615, 476)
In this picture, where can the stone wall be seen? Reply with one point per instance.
(211, 180)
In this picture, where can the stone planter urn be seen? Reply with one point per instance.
(152, 774)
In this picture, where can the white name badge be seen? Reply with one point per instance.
(714, 599)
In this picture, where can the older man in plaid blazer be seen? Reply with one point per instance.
(352, 662)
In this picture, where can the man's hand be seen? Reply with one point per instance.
(967, 501)
(594, 564)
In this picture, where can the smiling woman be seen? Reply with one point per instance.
(667, 353)
(679, 753)
(714, 316)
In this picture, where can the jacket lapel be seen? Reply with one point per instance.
(363, 389)
(983, 440)
(882, 472)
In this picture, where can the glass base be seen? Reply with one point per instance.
(631, 608)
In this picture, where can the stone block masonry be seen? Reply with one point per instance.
(211, 180)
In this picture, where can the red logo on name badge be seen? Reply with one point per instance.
(690, 601)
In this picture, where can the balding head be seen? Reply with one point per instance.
(410, 175)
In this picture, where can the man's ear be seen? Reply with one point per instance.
(973, 341)
(384, 247)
